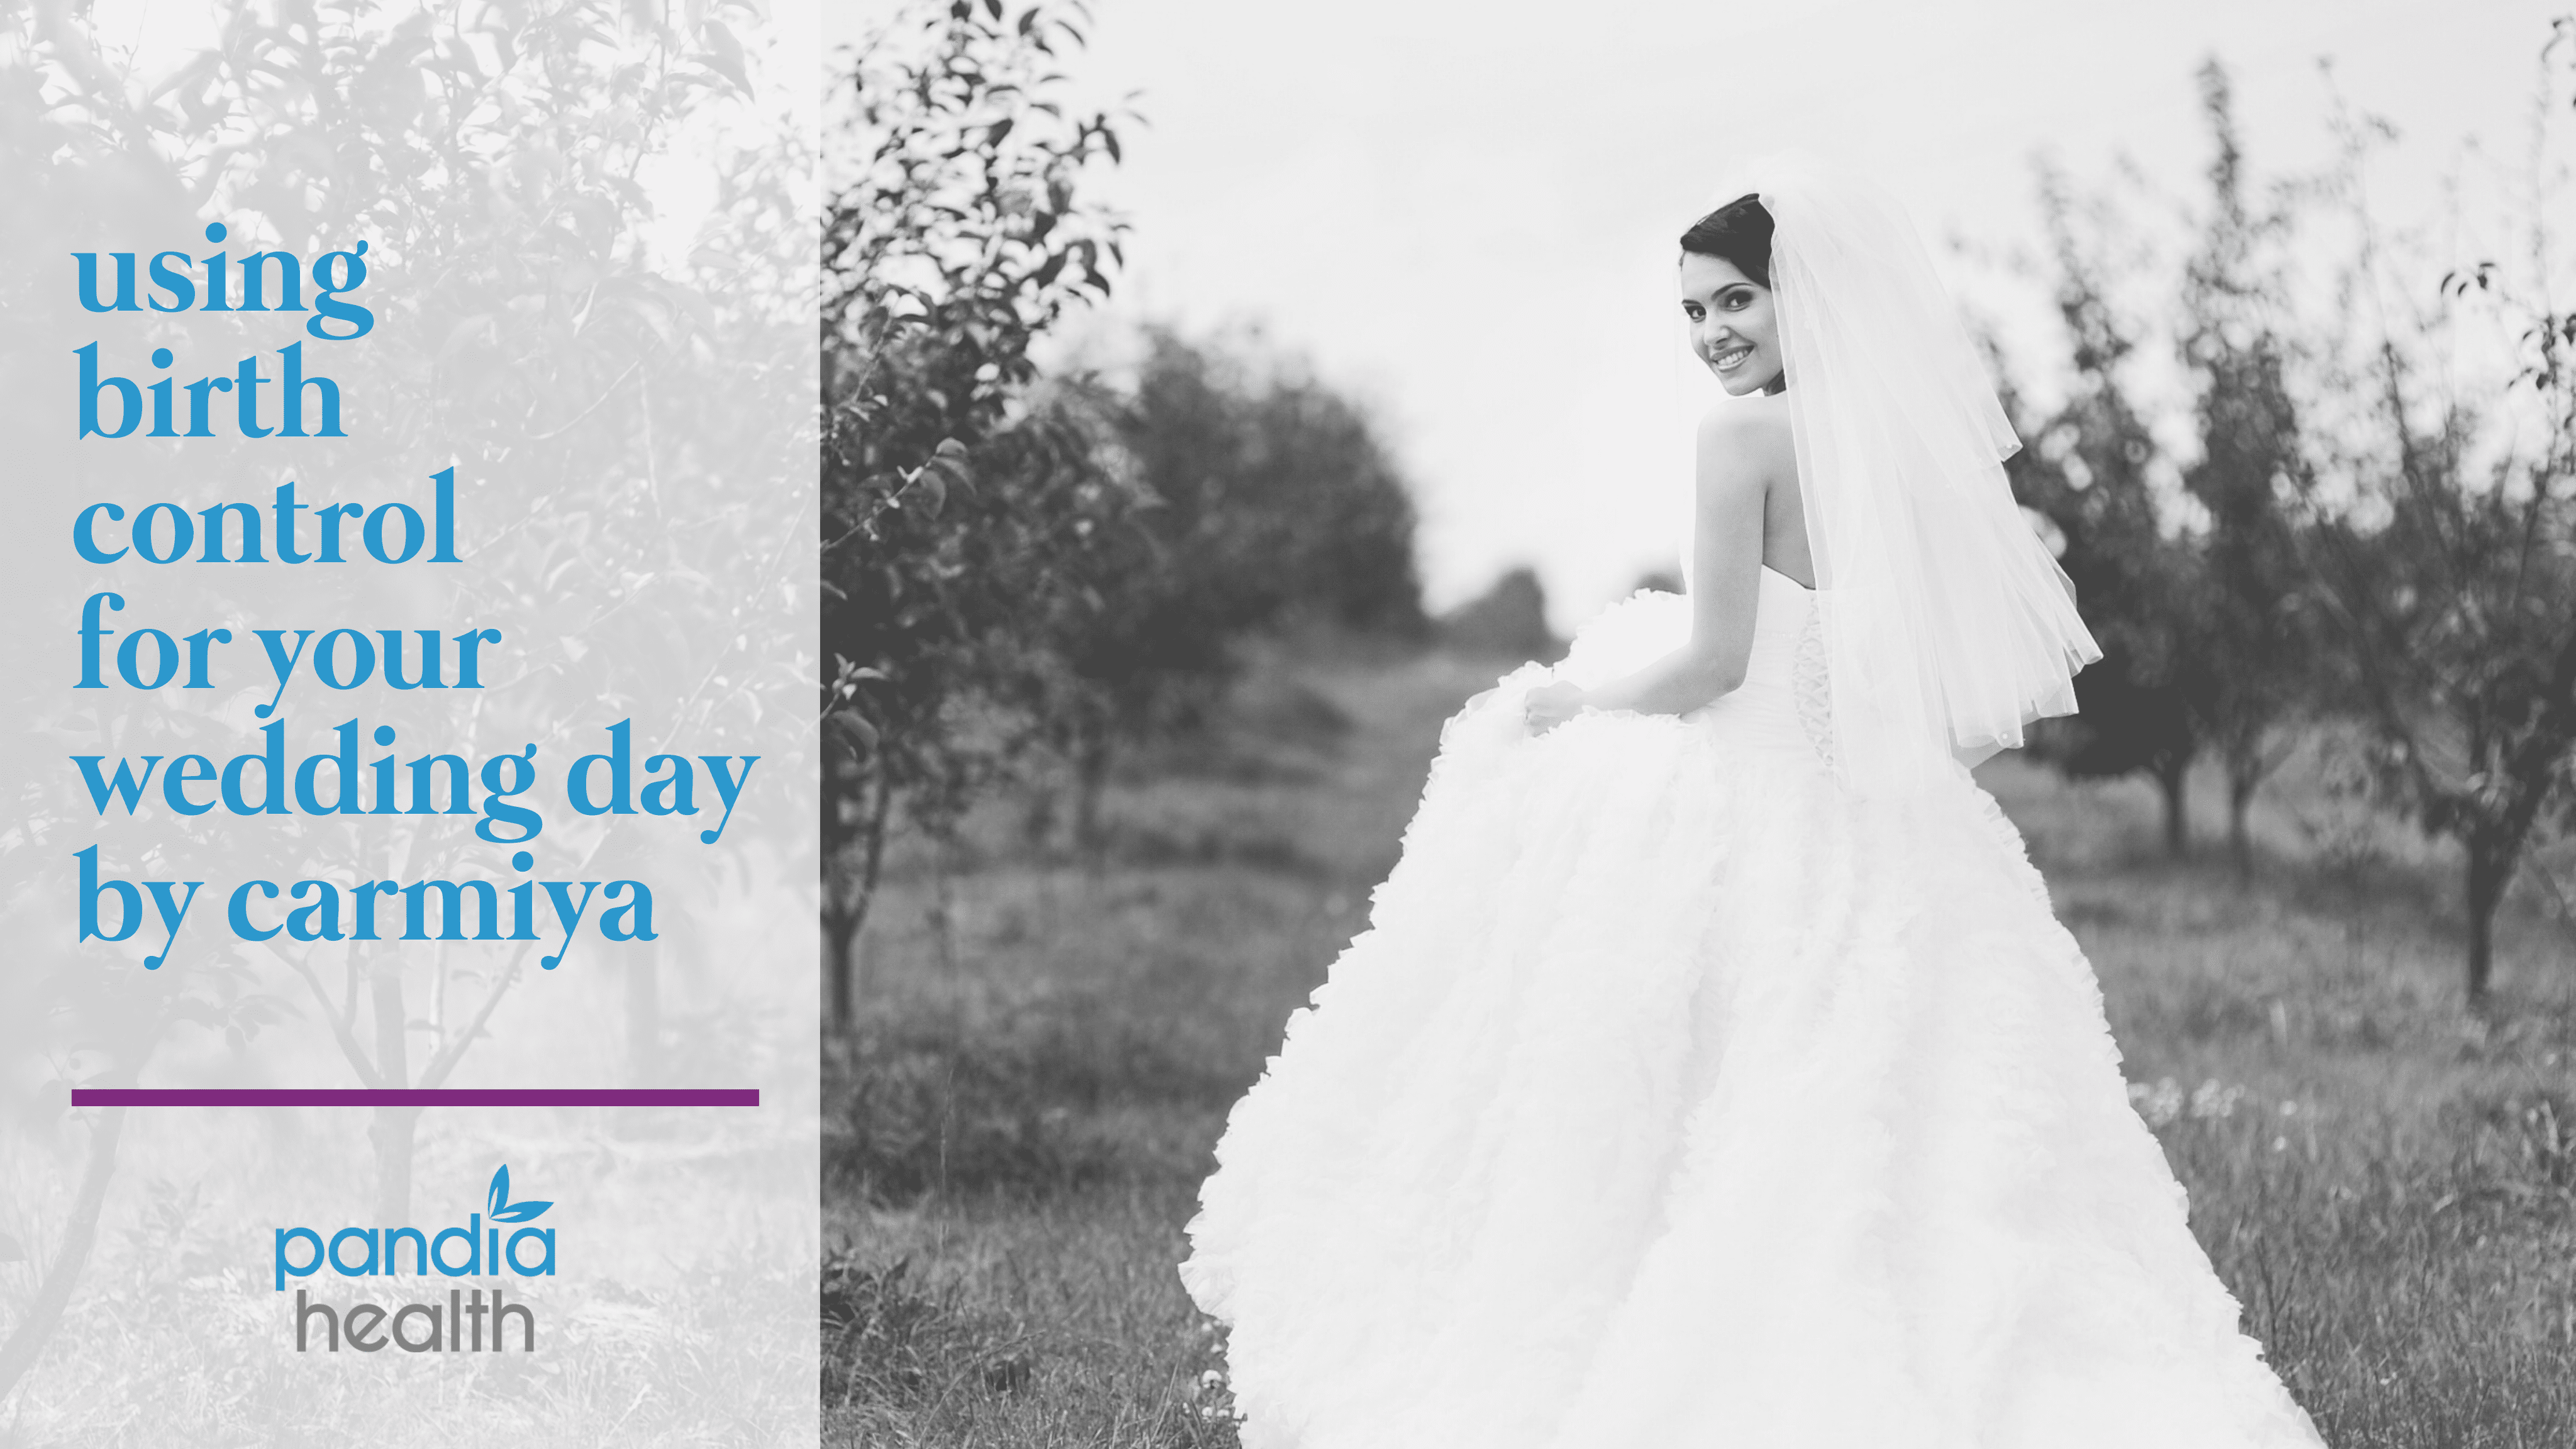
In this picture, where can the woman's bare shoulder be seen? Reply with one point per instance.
(1745, 442)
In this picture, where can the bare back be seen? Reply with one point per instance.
(1757, 428)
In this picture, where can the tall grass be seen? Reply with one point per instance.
(1015, 1134)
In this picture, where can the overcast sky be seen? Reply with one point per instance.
(1465, 213)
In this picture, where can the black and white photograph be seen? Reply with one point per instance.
(1668, 725)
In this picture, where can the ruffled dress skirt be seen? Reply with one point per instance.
(1674, 1097)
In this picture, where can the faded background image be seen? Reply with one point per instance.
(1219, 396)
(589, 237)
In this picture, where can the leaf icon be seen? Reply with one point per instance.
(502, 1210)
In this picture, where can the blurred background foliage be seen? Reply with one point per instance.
(1025, 570)
(2395, 583)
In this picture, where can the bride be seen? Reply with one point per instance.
(1712, 1071)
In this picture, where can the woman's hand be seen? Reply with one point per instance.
(1550, 705)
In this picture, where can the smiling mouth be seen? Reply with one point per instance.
(1729, 359)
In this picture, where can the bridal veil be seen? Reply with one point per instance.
(1947, 625)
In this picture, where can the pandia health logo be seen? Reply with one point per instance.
(476, 1249)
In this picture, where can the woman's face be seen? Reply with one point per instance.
(1732, 326)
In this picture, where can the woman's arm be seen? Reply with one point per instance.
(1739, 447)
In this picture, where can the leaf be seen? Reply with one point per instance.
(198, 1010)
(857, 727)
(645, 16)
(477, 328)
(11, 1250)
(945, 473)
(501, 1210)
(260, 1008)
(724, 56)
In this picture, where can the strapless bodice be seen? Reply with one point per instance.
(1783, 699)
(1783, 623)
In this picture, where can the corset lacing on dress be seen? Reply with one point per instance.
(1809, 682)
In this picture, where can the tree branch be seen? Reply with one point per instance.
(447, 1056)
(18, 1354)
(342, 1027)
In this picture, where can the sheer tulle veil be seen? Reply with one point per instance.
(1947, 625)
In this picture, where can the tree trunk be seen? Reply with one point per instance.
(840, 929)
(27, 1340)
(643, 1013)
(943, 909)
(391, 1133)
(2487, 873)
(845, 917)
(1091, 773)
(2174, 779)
(1037, 821)
(2241, 783)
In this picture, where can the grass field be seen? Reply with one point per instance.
(1014, 1137)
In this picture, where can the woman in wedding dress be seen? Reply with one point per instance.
(1712, 1071)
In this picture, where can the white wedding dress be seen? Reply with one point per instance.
(1677, 1096)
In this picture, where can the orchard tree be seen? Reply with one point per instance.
(2452, 586)
(959, 497)
(2252, 640)
(1270, 501)
(1347, 517)
(1508, 620)
(2089, 472)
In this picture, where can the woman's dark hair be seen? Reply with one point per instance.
(1738, 232)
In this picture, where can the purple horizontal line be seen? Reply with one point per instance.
(415, 1096)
